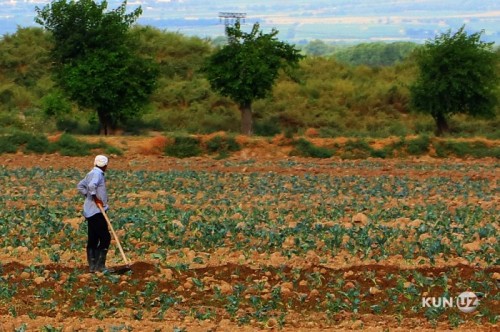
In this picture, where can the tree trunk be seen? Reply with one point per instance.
(246, 119)
(441, 123)
(104, 123)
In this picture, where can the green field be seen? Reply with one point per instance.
(258, 243)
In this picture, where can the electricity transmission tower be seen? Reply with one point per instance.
(231, 18)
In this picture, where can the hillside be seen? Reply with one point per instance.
(365, 95)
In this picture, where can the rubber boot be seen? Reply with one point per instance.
(101, 261)
(92, 259)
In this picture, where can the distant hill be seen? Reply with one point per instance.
(300, 21)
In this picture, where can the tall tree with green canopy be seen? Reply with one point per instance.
(457, 75)
(94, 56)
(247, 67)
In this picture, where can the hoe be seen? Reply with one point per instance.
(121, 269)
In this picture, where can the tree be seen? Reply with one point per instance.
(246, 68)
(317, 48)
(375, 54)
(457, 75)
(94, 57)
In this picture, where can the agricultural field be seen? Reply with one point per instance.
(245, 244)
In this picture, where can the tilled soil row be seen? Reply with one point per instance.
(210, 289)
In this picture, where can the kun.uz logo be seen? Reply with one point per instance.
(466, 302)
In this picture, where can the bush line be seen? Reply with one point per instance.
(66, 145)
(222, 146)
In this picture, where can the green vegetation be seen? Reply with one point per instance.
(70, 146)
(183, 147)
(375, 54)
(247, 68)
(66, 145)
(357, 149)
(336, 98)
(94, 58)
(419, 145)
(307, 250)
(463, 149)
(304, 148)
(223, 145)
(458, 74)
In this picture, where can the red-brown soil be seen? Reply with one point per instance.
(303, 317)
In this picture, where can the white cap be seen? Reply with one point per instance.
(100, 161)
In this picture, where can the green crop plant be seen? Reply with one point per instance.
(353, 297)
(206, 314)
(232, 304)
(433, 313)
(45, 293)
(7, 291)
(261, 216)
(22, 328)
(77, 304)
(334, 305)
(12, 311)
(492, 316)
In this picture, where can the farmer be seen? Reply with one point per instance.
(93, 187)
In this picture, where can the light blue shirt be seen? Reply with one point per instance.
(94, 183)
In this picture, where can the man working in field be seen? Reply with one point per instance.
(93, 187)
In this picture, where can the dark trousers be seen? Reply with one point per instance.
(99, 237)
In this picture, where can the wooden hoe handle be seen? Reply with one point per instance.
(114, 235)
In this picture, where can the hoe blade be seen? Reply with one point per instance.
(121, 269)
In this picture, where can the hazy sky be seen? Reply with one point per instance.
(298, 19)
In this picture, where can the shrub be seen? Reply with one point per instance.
(419, 145)
(267, 128)
(222, 144)
(183, 147)
(211, 123)
(480, 149)
(6, 145)
(38, 144)
(423, 126)
(380, 153)
(19, 138)
(440, 149)
(113, 150)
(357, 149)
(304, 148)
(475, 149)
(30, 143)
(332, 131)
(68, 145)
(394, 149)
(55, 104)
(8, 120)
(75, 126)
(140, 126)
